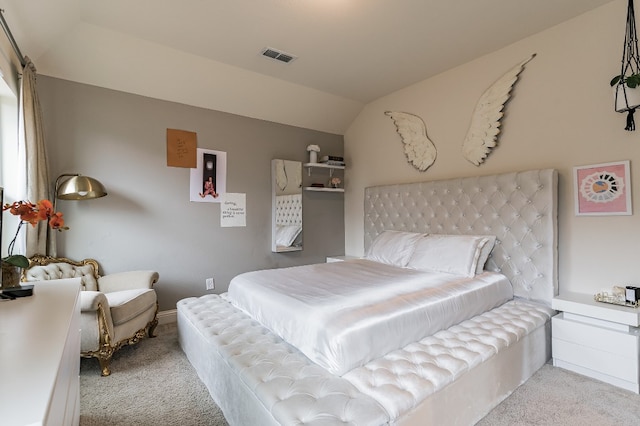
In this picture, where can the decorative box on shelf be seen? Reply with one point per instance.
(615, 300)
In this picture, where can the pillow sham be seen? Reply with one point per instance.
(453, 254)
(393, 247)
(485, 251)
(286, 235)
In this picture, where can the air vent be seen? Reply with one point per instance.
(278, 55)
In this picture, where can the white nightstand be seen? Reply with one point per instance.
(340, 258)
(596, 339)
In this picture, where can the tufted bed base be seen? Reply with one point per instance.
(454, 377)
(256, 378)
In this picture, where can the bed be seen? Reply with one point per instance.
(453, 373)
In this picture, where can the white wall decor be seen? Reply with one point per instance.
(485, 122)
(233, 210)
(419, 149)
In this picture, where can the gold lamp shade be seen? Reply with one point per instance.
(80, 188)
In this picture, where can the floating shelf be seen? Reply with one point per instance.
(322, 166)
(329, 167)
(319, 189)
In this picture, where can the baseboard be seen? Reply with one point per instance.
(167, 317)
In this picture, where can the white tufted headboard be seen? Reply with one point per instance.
(519, 208)
(289, 209)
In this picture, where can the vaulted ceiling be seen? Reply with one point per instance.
(348, 52)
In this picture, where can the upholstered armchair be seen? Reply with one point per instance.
(116, 309)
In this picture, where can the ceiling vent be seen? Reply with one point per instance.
(278, 55)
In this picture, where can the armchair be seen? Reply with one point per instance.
(116, 309)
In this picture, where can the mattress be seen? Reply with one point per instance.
(257, 378)
(342, 315)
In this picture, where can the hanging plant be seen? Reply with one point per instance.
(631, 81)
(627, 83)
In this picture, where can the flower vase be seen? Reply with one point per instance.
(313, 157)
(10, 276)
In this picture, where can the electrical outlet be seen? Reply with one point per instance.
(211, 284)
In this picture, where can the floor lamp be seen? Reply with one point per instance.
(76, 187)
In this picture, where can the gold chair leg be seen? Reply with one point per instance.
(152, 327)
(105, 366)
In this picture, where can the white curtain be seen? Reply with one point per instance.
(31, 135)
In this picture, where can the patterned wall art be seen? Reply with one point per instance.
(602, 189)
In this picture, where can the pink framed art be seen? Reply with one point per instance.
(602, 189)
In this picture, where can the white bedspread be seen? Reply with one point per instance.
(343, 314)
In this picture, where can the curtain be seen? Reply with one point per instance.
(31, 137)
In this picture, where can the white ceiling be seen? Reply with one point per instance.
(358, 50)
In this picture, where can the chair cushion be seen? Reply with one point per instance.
(127, 304)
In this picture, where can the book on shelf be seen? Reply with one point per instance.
(331, 158)
(332, 163)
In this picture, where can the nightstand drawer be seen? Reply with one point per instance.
(618, 342)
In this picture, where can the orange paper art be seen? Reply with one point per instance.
(181, 148)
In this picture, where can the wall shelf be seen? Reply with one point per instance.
(320, 189)
(331, 168)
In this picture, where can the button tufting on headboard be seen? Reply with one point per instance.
(289, 209)
(520, 208)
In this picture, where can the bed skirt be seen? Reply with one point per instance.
(454, 377)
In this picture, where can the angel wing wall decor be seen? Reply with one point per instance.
(420, 151)
(485, 122)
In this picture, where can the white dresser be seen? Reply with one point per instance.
(596, 339)
(40, 356)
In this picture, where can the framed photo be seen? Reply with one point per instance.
(602, 189)
(209, 179)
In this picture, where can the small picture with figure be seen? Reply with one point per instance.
(208, 179)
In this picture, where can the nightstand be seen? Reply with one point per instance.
(340, 258)
(596, 339)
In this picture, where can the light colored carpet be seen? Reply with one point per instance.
(557, 397)
(152, 383)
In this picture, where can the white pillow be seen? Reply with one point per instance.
(393, 247)
(286, 235)
(485, 251)
(453, 254)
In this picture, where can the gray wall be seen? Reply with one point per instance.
(147, 220)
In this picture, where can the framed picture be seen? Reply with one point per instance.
(209, 179)
(602, 189)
